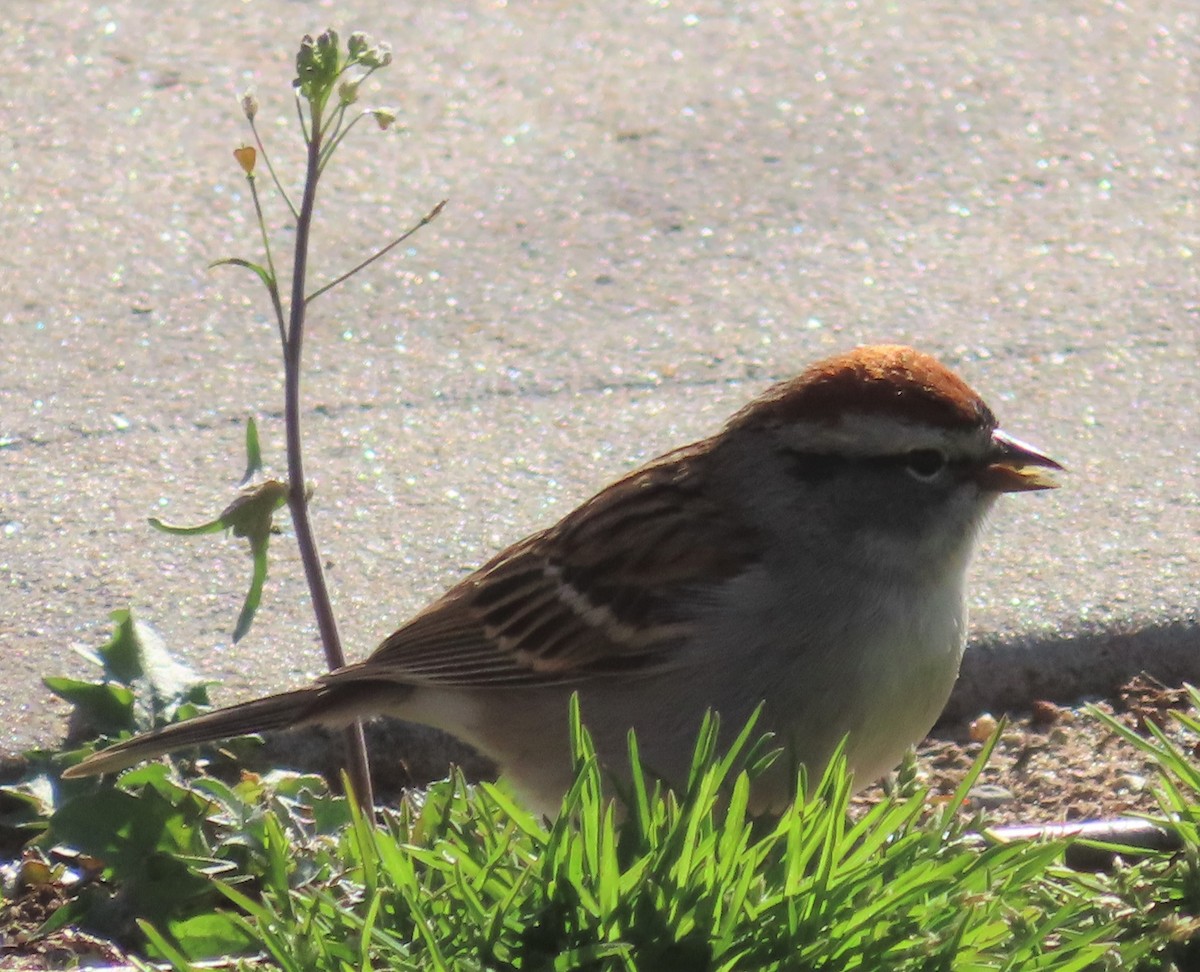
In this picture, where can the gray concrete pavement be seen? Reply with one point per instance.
(655, 210)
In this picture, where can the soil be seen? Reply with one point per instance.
(1057, 763)
(1053, 764)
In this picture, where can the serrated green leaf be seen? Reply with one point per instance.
(121, 655)
(140, 838)
(137, 654)
(103, 707)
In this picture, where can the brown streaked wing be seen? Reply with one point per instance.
(614, 587)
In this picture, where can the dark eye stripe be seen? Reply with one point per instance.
(817, 467)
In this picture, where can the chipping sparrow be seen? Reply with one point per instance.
(811, 556)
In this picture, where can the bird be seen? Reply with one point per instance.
(808, 561)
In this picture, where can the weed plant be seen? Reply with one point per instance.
(186, 863)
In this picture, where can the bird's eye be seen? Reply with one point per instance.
(925, 464)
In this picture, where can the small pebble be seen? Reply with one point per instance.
(1044, 713)
(1132, 782)
(982, 728)
(989, 796)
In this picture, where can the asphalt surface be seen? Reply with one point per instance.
(655, 209)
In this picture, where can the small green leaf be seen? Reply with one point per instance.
(263, 273)
(212, 526)
(254, 594)
(211, 935)
(251, 516)
(254, 461)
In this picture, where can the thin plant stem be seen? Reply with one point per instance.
(273, 290)
(308, 137)
(339, 135)
(425, 220)
(336, 136)
(329, 137)
(262, 150)
(356, 752)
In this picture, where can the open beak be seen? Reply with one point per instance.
(1014, 466)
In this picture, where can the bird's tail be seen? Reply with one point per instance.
(317, 703)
